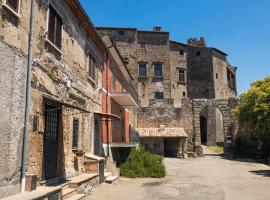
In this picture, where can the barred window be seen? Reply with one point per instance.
(13, 4)
(55, 27)
(75, 133)
(182, 75)
(158, 69)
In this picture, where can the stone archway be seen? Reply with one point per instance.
(199, 105)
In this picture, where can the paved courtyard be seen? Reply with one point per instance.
(207, 178)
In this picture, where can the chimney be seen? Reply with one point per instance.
(157, 28)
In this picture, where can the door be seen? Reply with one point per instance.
(97, 137)
(51, 142)
(203, 127)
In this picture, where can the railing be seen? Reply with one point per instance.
(133, 136)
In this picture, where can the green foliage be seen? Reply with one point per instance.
(254, 109)
(247, 146)
(141, 163)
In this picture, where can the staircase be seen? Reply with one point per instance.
(111, 172)
(77, 187)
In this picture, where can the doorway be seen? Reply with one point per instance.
(203, 127)
(98, 136)
(52, 115)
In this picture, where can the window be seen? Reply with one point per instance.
(55, 27)
(75, 133)
(91, 67)
(181, 52)
(121, 32)
(142, 70)
(142, 45)
(182, 75)
(158, 69)
(184, 94)
(159, 95)
(13, 5)
(231, 80)
(216, 75)
(198, 53)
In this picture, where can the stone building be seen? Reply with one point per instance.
(119, 105)
(67, 94)
(184, 89)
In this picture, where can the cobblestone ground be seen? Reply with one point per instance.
(207, 178)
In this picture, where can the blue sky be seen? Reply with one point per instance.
(239, 27)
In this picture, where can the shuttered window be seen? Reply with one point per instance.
(55, 28)
(91, 67)
(13, 4)
(75, 133)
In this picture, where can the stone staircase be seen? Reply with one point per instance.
(75, 188)
(112, 173)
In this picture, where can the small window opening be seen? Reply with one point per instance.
(75, 133)
(159, 95)
(121, 32)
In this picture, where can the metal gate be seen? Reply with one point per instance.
(51, 142)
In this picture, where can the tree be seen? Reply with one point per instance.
(254, 108)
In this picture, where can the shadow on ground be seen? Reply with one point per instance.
(264, 173)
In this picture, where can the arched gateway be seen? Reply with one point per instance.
(212, 123)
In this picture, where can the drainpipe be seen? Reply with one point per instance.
(107, 95)
(193, 126)
(27, 99)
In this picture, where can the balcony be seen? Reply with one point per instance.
(124, 99)
(119, 138)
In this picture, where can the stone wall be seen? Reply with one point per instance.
(64, 76)
(60, 73)
(12, 88)
(151, 47)
(162, 114)
(200, 78)
(178, 61)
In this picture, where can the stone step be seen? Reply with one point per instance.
(42, 192)
(78, 180)
(77, 197)
(112, 179)
(106, 174)
(68, 192)
(84, 183)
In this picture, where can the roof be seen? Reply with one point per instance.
(85, 21)
(222, 52)
(167, 132)
(115, 28)
(178, 42)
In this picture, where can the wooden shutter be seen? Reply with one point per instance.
(58, 33)
(91, 67)
(55, 28)
(51, 28)
(75, 133)
(13, 4)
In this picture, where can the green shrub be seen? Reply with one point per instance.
(141, 163)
